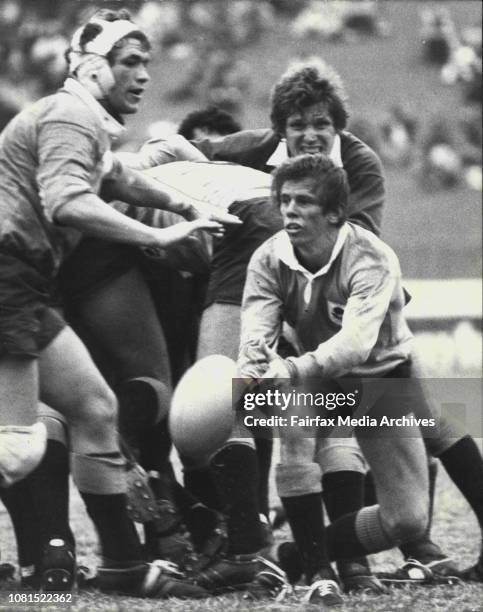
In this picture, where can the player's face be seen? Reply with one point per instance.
(310, 131)
(303, 219)
(130, 76)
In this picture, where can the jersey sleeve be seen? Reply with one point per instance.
(366, 180)
(164, 150)
(68, 165)
(261, 318)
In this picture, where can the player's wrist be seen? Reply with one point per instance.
(292, 370)
(304, 367)
(187, 211)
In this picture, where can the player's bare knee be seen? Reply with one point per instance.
(108, 412)
(98, 406)
(410, 524)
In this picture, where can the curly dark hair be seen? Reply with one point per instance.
(212, 118)
(91, 30)
(306, 84)
(331, 184)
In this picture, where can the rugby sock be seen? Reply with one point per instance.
(370, 497)
(18, 500)
(264, 448)
(50, 489)
(464, 464)
(343, 492)
(101, 480)
(118, 537)
(235, 472)
(357, 534)
(39, 505)
(306, 520)
(199, 519)
(200, 484)
(155, 448)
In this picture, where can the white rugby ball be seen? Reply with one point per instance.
(202, 416)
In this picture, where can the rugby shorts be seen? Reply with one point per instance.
(28, 322)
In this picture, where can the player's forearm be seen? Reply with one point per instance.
(141, 190)
(93, 217)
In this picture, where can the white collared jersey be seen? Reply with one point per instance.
(347, 317)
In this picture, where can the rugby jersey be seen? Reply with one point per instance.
(347, 316)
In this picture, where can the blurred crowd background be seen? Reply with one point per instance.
(412, 70)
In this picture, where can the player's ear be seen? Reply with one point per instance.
(334, 217)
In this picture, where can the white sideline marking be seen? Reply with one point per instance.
(459, 298)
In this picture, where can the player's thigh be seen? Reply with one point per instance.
(122, 319)
(19, 390)
(71, 383)
(296, 447)
(220, 331)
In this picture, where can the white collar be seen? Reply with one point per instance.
(284, 251)
(113, 128)
(281, 153)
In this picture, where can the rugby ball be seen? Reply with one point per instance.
(201, 417)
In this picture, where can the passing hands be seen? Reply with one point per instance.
(185, 232)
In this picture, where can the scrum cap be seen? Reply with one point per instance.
(111, 33)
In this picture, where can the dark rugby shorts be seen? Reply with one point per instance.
(261, 220)
(28, 323)
(93, 264)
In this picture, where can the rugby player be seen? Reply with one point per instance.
(53, 158)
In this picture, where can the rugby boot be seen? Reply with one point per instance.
(157, 580)
(270, 583)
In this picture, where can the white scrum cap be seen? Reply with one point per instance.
(111, 33)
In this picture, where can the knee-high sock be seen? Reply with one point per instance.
(18, 500)
(199, 482)
(49, 484)
(357, 534)
(264, 447)
(235, 472)
(343, 492)
(306, 520)
(370, 497)
(155, 448)
(143, 408)
(39, 505)
(199, 519)
(464, 464)
(101, 481)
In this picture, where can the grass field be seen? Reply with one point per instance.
(455, 529)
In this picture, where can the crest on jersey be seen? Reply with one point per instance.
(336, 312)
